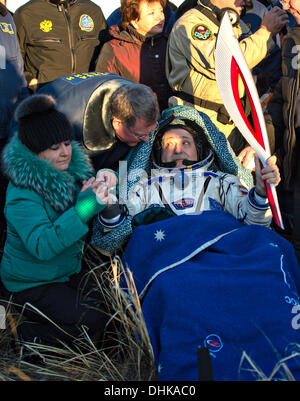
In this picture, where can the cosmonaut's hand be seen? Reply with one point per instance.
(101, 190)
(246, 157)
(105, 184)
(270, 173)
(107, 177)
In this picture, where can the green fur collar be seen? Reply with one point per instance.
(24, 169)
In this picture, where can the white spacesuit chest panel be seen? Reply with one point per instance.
(186, 194)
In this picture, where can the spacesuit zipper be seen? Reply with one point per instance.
(70, 29)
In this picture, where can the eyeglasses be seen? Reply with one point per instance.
(139, 136)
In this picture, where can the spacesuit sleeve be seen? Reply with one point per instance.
(243, 204)
(138, 199)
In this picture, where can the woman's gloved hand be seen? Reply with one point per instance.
(91, 201)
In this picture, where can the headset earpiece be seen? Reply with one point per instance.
(233, 15)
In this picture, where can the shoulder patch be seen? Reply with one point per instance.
(7, 28)
(86, 23)
(243, 190)
(201, 32)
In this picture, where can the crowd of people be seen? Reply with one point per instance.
(80, 95)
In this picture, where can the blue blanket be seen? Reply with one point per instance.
(210, 281)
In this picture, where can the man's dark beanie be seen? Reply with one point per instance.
(40, 125)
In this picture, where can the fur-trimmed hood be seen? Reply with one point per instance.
(25, 170)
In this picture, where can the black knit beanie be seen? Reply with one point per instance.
(40, 125)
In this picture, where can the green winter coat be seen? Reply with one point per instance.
(44, 232)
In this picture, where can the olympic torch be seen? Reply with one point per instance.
(231, 66)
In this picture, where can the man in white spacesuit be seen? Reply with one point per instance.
(197, 274)
(185, 180)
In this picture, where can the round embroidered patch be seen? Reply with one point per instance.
(86, 23)
(213, 342)
(46, 26)
(201, 32)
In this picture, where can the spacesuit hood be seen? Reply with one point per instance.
(224, 158)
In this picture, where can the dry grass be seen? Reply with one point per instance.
(280, 372)
(125, 355)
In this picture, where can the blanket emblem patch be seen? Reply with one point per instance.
(215, 205)
(213, 343)
(183, 203)
(86, 23)
(201, 32)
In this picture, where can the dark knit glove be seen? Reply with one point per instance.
(87, 205)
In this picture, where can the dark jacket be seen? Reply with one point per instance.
(282, 106)
(58, 37)
(138, 58)
(12, 82)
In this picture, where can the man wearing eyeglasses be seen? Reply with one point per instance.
(125, 134)
(133, 112)
(132, 115)
(110, 115)
(284, 116)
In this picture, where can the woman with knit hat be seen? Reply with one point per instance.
(50, 200)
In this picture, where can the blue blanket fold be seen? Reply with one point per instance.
(209, 280)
